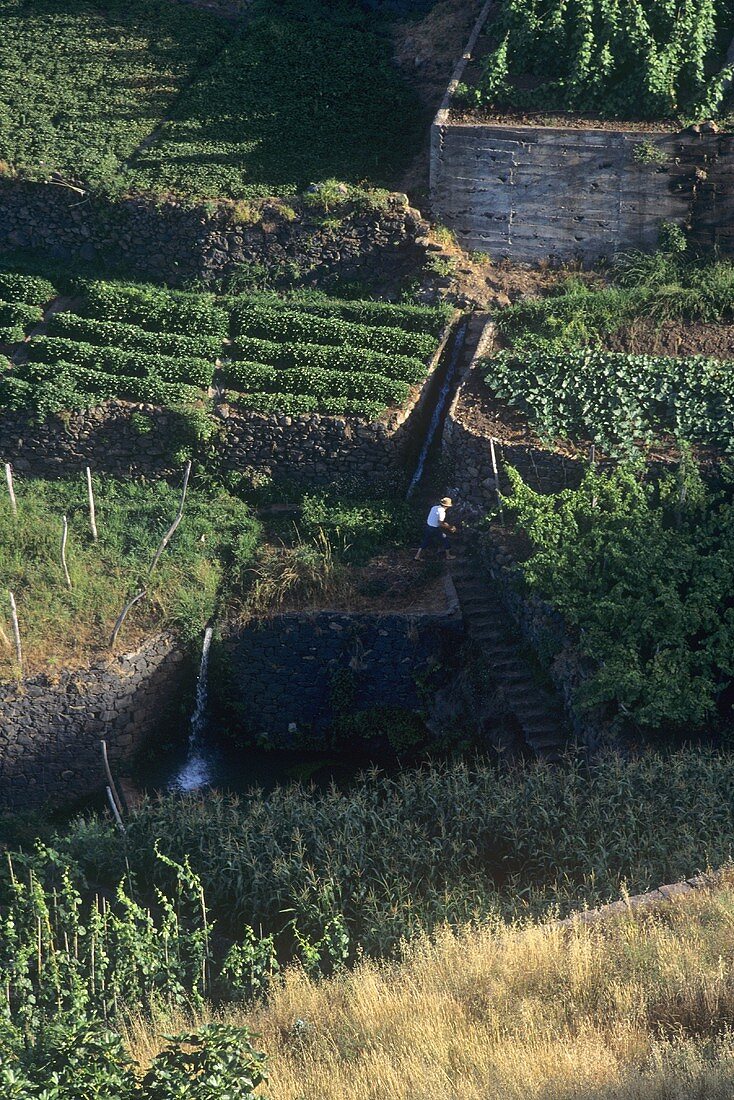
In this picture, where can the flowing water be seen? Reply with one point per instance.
(440, 407)
(197, 770)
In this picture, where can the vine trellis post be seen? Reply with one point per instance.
(11, 490)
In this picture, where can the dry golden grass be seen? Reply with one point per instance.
(638, 1007)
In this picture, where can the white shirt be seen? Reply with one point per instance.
(436, 516)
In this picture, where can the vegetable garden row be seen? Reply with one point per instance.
(307, 353)
(557, 369)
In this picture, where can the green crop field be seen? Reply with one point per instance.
(163, 97)
(304, 353)
(632, 59)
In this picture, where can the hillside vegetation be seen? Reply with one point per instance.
(168, 98)
(638, 1009)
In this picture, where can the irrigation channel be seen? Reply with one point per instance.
(209, 760)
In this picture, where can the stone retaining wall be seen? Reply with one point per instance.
(125, 439)
(50, 730)
(282, 678)
(176, 241)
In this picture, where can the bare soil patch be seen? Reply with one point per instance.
(644, 336)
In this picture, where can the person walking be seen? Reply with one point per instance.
(436, 535)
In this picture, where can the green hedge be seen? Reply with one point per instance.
(400, 367)
(426, 319)
(283, 324)
(52, 349)
(25, 288)
(291, 404)
(132, 337)
(313, 382)
(155, 308)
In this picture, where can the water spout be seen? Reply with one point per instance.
(440, 407)
(197, 770)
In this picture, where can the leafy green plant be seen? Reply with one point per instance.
(131, 337)
(215, 1062)
(641, 572)
(616, 399)
(655, 62)
(645, 152)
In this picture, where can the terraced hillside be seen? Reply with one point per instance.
(306, 353)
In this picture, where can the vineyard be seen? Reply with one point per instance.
(86, 87)
(642, 59)
(148, 344)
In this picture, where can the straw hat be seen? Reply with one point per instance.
(446, 502)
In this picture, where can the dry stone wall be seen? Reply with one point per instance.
(178, 241)
(278, 676)
(135, 439)
(50, 730)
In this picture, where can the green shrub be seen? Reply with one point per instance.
(411, 318)
(641, 573)
(287, 325)
(28, 289)
(68, 386)
(132, 337)
(313, 382)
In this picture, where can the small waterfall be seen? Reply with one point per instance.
(197, 770)
(440, 407)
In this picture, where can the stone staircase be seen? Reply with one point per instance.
(537, 711)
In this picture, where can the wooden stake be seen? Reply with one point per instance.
(11, 491)
(64, 537)
(171, 530)
(16, 631)
(496, 475)
(92, 512)
(123, 615)
(115, 811)
(110, 780)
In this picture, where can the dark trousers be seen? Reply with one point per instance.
(435, 538)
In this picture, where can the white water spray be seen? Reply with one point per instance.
(197, 771)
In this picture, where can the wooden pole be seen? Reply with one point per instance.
(171, 530)
(123, 615)
(16, 631)
(496, 476)
(92, 512)
(115, 811)
(64, 537)
(11, 490)
(110, 780)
